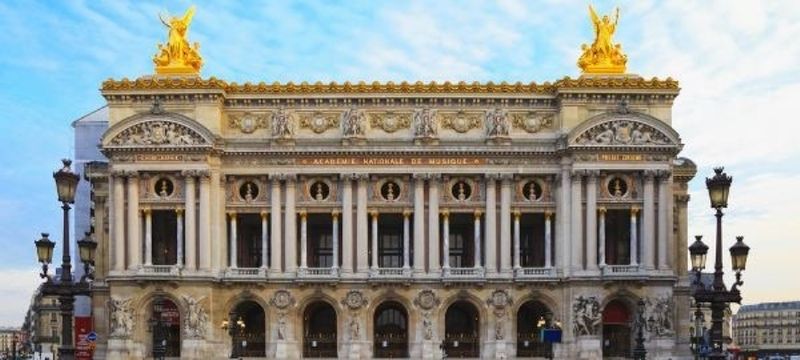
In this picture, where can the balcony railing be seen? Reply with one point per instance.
(325, 273)
(246, 273)
(160, 270)
(466, 273)
(621, 270)
(534, 273)
(390, 273)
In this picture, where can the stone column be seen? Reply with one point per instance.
(218, 225)
(477, 241)
(591, 221)
(491, 223)
(505, 224)
(406, 238)
(276, 248)
(303, 239)
(204, 229)
(191, 220)
(419, 223)
(373, 214)
(335, 221)
(517, 215)
(563, 236)
(548, 238)
(433, 223)
(118, 220)
(264, 238)
(634, 236)
(347, 224)
(134, 224)
(602, 235)
(232, 250)
(362, 229)
(290, 226)
(576, 262)
(445, 239)
(148, 236)
(681, 243)
(648, 217)
(663, 211)
(179, 237)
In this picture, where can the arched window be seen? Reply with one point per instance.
(617, 335)
(462, 331)
(165, 327)
(532, 317)
(319, 331)
(252, 340)
(391, 331)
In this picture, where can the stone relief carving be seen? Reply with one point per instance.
(586, 315)
(282, 299)
(622, 132)
(427, 325)
(426, 299)
(532, 122)
(121, 316)
(425, 123)
(354, 300)
(355, 327)
(319, 122)
(500, 300)
(659, 310)
(497, 123)
(247, 122)
(353, 123)
(282, 126)
(195, 323)
(461, 121)
(390, 121)
(282, 325)
(158, 132)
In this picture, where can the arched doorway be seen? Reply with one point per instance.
(616, 330)
(462, 331)
(532, 317)
(250, 341)
(390, 327)
(319, 331)
(165, 327)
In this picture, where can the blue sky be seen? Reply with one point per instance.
(737, 63)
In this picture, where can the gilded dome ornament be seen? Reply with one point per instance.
(177, 56)
(603, 56)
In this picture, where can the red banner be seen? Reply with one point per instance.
(84, 347)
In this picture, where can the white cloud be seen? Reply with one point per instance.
(15, 294)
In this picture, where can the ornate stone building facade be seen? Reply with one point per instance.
(389, 220)
(768, 329)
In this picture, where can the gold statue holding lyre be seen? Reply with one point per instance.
(603, 56)
(177, 56)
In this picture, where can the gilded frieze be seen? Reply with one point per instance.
(532, 122)
(460, 121)
(248, 122)
(390, 121)
(319, 121)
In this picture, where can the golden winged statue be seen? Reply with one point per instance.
(177, 56)
(603, 56)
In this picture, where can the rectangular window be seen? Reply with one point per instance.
(165, 237)
(390, 240)
(462, 234)
(248, 240)
(618, 237)
(531, 240)
(320, 240)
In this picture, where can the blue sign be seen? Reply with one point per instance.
(551, 335)
(92, 336)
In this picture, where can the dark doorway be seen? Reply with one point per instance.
(165, 237)
(532, 317)
(251, 342)
(166, 328)
(391, 331)
(248, 232)
(462, 331)
(616, 330)
(319, 331)
(462, 237)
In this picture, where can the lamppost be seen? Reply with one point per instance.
(718, 296)
(697, 335)
(639, 352)
(235, 327)
(65, 287)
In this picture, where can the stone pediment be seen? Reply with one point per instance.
(624, 130)
(157, 130)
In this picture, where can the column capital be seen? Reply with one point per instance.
(335, 213)
(434, 176)
(407, 213)
(204, 175)
(146, 211)
(663, 175)
(445, 213)
(276, 177)
(117, 173)
(592, 175)
(419, 176)
(682, 198)
(179, 211)
(649, 175)
(131, 174)
(548, 214)
(303, 214)
(602, 210)
(491, 176)
(506, 178)
(576, 175)
(517, 214)
(231, 214)
(264, 214)
(290, 178)
(189, 174)
(635, 210)
(373, 213)
(478, 213)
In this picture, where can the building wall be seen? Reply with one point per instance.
(768, 328)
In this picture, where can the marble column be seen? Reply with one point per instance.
(648, 219)
(148, 236)
(548, 238)
(445, 239)
(373, 214)
(406, 238)
(419, 223)
(204, 228)
(477, 215)
(663, 211)
(517, 238)
(179, 237)
(276, 248)
(505, 224)
(591, 220)
(290, 226)
(433, 223)
(264, 238)
(190, 228)
(563, 236)
(362, 227)
(335, 224)
(232, 250)
(491, 224)
(218, 224)
(134, 224)
(118, 220)
(303, 239)
(347, 224)
(601, 212)
(576, 206)
(681, 242)
(634, 247)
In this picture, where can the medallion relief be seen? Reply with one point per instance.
(354, 300)
(248, 122)
(282, 299)
(390, 121)
(318, 121)
(532, 122)
(461, 121)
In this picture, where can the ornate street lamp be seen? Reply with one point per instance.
(718, 296)
(64, 287)
(86, 250)
(639, 352)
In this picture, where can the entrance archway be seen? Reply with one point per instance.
(390, 327)
(251, 341)
(531, 318)
(462, 331)
(165, 327)
(616, 330)
(319, 331)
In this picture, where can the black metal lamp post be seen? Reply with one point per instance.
(718, 296)
(639, 352)
(65, 288)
